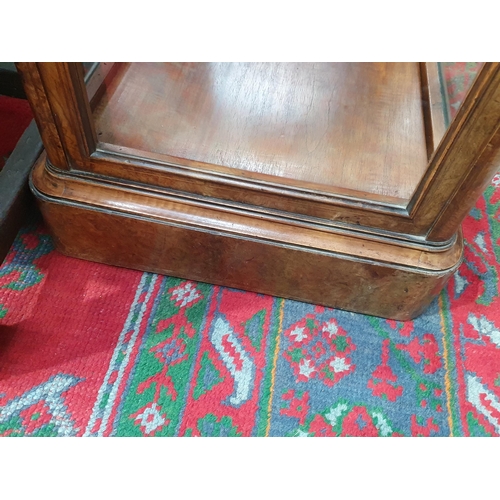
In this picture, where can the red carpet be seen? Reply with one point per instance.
(88, 349)
(15, 116)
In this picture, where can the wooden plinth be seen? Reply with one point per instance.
(182, 236)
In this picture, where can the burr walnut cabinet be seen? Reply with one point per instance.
(341, 184)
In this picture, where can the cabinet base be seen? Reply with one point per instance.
(236, 247)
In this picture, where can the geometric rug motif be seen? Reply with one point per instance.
(94, 350)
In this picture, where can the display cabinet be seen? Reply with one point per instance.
(340, 184)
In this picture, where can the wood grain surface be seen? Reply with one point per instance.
(355, 126)
(126, 227)
(243, 226)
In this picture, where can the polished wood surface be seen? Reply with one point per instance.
(71, 119)
(127, 227)
(355, 126)
(239, 222)
(36, 92)
(433, 104)
(262, 231)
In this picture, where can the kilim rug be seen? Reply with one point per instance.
(92, 350)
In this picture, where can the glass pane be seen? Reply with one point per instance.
(88, 67)
(363, 130)
(458, 77)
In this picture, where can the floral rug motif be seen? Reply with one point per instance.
(92, 350)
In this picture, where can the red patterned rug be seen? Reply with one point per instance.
(88, 349)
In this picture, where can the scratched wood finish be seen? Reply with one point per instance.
(357, 126)
(129, 228)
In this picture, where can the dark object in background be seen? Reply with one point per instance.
(15, 116)
(10, 83)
